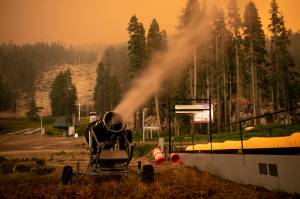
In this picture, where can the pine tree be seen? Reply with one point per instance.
(154, 38)
(164, 39)
(156, 41)
(137, 52)
(112, 78)
(136, 45)
(281, 60)
(191, 14)
(103, 91)
(254, 45)
(235, 23)
(99, 91)
(33, 110)
(63, 95)
(219, 71)
(294, 91)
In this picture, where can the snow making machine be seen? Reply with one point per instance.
(111, 150)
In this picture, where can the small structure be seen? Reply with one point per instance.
(93, 117)
(65, 123)
(150, 124)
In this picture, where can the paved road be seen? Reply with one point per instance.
(20, 143)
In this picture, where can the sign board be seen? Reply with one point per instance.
(93, 116)
(194, 108)
(203, 116)
(200, 111)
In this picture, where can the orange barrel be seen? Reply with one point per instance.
(175, 158)
(158, 156)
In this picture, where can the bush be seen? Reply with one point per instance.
(81, 130)
(23, 168)
(53, 133)
(2, 159)
(39, 161)
(61, 153)
(48, 120)
(6, 167)
(43, 170)
(142, 149)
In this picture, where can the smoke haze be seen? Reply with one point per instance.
(100, 21)
(165, 66)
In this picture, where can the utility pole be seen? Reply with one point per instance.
(42, 130)
(195, 73)
(78, 104)
(143, 125)
(194, 91)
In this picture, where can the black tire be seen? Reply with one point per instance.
(67, 175)
(148, 173)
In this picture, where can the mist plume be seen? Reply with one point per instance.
(165, 66)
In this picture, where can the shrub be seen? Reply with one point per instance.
(2, 159)
(39, 161)
(6, 167)
(61, 153)
(43, 170)
(23, 168)
(142, 149)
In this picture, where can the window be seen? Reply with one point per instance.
(263, 170)
(268, 169)
(273, 170)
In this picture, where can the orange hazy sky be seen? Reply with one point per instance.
(104, 21)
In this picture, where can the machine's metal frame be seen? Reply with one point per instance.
(95, 167)
(110, 157)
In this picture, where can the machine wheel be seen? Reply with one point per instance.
(148, 173)
(67, 175)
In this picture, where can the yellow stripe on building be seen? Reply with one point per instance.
(291, 141)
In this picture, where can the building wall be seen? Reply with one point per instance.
(274, 172)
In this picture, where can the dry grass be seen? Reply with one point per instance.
(170, 182)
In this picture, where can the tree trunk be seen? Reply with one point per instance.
(195, 75)
(259, 104)
(192, 95)
(218, 95)
(273, 102)
(176, 126)
(277, 89)
(230, 105)
(193, 86)
(219, 107)
(224, 86)
(191, 81)
(157, 113)
(208, 92)
(253, 79)
(238, 92)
